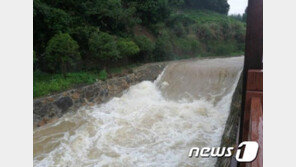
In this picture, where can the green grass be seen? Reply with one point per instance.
(46, 84)
(205, 16)
(223, 48)
(103, 75)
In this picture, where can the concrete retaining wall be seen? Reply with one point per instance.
(232, 125)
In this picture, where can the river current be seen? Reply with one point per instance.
(151, 124)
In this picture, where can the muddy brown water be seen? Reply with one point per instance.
(151, 124)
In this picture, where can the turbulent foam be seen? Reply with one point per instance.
(143, 127)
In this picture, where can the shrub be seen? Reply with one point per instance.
(238, 17)
(222, 47)
(81, 34)
(182, 18)
(209, 31)
(152, 11)
(176, 3)
(179, 29)
(240, 32)
(127, 47)
(61, 53)
(220, 6)
(57, 20)
(157, 28)
(146, 46)
(188, 46)
(102, 46)
(164, 48)
(103, 75)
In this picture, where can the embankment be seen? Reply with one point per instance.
(54, 106)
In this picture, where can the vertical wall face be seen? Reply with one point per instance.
(229, 138)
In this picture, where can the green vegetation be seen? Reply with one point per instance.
(240, 17)
(127, 47)
(108, 35)
(103, 47)
(193, 33)
(146, 47)
(103, 75)
(61, 53)
(44, 83)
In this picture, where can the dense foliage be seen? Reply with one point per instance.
(97, 35)
(220, 6)
(61, 53)
(102, 46)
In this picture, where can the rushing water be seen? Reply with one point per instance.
(151, 124)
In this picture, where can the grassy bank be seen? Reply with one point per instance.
(47, 84)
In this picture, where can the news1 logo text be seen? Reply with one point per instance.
(246, 151)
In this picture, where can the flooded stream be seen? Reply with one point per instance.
(151, 124)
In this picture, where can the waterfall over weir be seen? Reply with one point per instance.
(151, 124)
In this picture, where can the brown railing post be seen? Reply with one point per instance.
(254, 35)
(254, 45)
(253, 59)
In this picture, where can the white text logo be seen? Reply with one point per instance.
(246, 151)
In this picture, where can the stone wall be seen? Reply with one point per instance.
(54, 106)
(232, 125)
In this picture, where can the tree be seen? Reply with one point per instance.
(245, 15)
(109, 14)
(220, 6)
(48, 21)
(238, 17)
(127, 47)
(61, 53)
(176, 3)
(81, 34)
(151, 11)
(146, 46)
(103, 47)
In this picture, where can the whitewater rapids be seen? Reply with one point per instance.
(151, 124)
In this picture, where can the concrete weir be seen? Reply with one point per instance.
(152, 118)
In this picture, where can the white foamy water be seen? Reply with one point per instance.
(147, 126)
